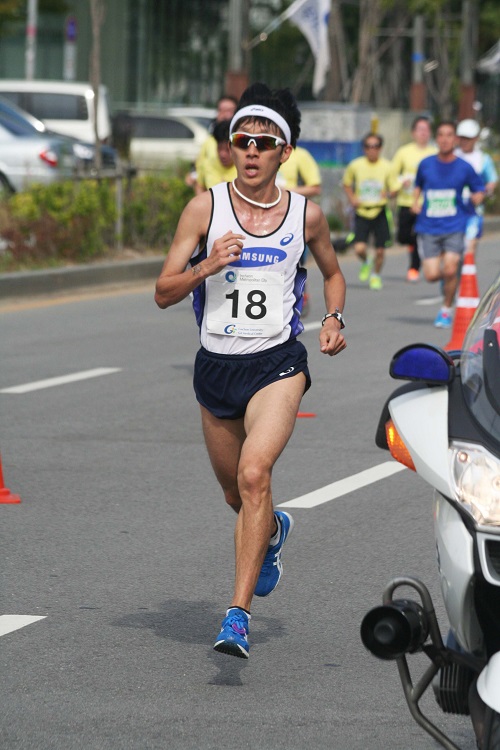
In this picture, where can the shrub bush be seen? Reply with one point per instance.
(76, 221)
(66, 221)
(152, 207)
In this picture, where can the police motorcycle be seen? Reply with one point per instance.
(445, 425)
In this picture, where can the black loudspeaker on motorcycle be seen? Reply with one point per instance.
(394, 629)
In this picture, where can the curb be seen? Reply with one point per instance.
(26, 283)
(31, 283)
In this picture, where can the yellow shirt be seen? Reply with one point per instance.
(371, 182)
(300, 169)
(404, 168)
(207, 155)
(215, 172)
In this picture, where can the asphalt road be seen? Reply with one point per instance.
(122, 544)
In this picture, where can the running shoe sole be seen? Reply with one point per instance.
(232, 649)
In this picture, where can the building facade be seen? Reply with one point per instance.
(154, 51)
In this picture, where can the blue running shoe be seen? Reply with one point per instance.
(272, 567)
(443, 320)
(232, 638)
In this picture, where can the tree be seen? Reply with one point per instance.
(338, 75)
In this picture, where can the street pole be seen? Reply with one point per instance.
(236, 76)
(31, 28)
(418, 90)
(468, 59)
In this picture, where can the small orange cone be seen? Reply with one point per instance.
(467, 301)
(6, 495)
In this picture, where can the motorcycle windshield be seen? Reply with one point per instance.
(480, 362)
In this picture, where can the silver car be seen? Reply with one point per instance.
(159, 140)
(28, 156)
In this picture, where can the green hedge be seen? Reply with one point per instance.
(153, 206)
(76, 221)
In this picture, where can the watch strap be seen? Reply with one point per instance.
(338, 315)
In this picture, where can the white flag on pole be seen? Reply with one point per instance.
(311, 17)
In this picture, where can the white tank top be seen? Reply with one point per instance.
(254, 303)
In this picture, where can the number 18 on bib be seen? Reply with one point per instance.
(243, 302)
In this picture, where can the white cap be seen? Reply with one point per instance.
(468, 129)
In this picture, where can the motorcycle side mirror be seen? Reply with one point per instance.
(491, 367)
(423, 362)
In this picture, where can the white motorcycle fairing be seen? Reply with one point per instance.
(455, 553)
(421, 418)
(488, 683)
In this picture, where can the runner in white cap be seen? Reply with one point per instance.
(236, 250)
(468, 133)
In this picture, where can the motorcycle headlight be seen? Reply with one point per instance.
(476, 478)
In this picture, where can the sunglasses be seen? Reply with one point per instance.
(372, 145)
(261, 141)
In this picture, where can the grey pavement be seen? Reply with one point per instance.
(123, 544)
(63, 279)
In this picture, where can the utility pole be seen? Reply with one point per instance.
(468, 59)
(236, 76)
(141, 52)
(418, 91)
(31, 28)
(97, 11)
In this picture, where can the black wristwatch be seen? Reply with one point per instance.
(337, 314)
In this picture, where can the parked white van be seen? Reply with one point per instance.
(64, 106)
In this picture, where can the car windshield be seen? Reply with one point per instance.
(48, 106)
(160, 127)
(480, 362)
(14, 122)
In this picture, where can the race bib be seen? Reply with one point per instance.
(441, 203)
(245, 302)
(371, 191)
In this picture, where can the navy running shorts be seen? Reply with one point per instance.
(225, 383)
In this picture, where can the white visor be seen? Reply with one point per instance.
(258, 110)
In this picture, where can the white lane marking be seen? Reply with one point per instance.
(429, 300)
(344, 486)
(8, 623)
(312, 326)
(61, 380)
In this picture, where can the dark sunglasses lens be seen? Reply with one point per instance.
(240, 141)
(262, 142)
(267, 143)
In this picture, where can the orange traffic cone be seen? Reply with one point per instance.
(6, 495)
(467, 301)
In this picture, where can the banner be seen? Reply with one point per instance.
(311, 17)
(490, 62)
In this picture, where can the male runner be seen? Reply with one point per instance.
(237, 249)
(442, 216)
(468, 133)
